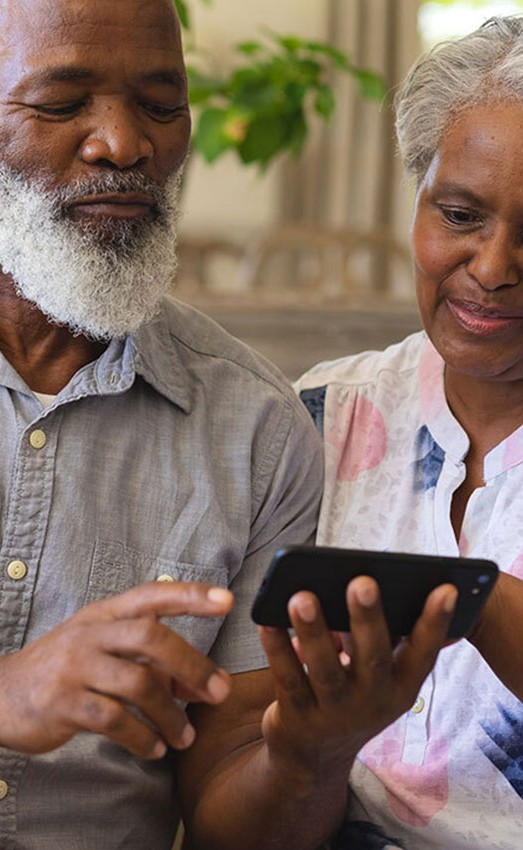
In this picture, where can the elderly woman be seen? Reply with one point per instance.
(424, 452)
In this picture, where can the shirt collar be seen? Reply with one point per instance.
(157, 356)
(445, 428)
(440, 421)
(153, 352)
(10, 378)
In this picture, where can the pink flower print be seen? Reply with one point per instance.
(357, 430)
(513, 449)
(415, 793)
(516, 568)
(463, 545)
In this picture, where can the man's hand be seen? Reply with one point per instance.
(115, 670)
(326, 709)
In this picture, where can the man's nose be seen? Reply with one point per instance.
(116, 138)
(497, 260)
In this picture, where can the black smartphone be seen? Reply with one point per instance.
(405, 581)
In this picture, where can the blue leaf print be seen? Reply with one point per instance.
(431, 457)
(505, 748)
(363, 836)
(314, 401)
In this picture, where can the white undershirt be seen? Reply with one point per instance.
(44, 398)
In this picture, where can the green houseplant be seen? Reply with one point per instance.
(263, 106)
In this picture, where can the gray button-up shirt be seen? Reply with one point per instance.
(177, 453)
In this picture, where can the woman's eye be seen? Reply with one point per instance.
(458, 215)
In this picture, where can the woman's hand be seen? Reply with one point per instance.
(326, 709)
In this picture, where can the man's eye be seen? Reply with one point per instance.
(459, 215)
(163, 113)
(58, 111)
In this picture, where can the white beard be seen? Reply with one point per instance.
(100, 278)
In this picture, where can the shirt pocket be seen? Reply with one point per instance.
(116, 568)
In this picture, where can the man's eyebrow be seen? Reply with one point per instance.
(165, 76)
(76, 73)
(55, 74)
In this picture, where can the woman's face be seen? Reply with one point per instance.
(467, 242)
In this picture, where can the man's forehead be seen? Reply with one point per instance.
(23, 22)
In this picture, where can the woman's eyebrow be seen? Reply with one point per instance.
(448, 187)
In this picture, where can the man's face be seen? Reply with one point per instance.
(94, 121)
(88, 86)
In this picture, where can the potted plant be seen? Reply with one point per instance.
(263, 105)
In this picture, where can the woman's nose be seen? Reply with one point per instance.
(497, 261)
(117, 138)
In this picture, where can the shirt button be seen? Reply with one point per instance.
(165, 578)
(4, 788)
(37, 439)
(418, 706)
(17, 570)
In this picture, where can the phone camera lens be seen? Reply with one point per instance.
(484, 579)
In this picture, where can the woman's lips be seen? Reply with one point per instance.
(482, 320)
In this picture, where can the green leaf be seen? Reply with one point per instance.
(210, 137)
(249, 48)
(254, 89)
(260, 107)
(265, 138)
(202, 87)
(290, 43)
(370, 83)
(237, 126)
(338, 58)
(295, 93)
(325, 102)
(300, 132)
(310, 70)
(182, 9)
(183, 13)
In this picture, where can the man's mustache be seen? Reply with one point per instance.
(112, 182)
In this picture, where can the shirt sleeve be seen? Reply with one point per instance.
(288, 482)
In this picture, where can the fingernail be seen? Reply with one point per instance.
(306, 610)
(188, 736)
(159, 750)
(219, 595)
(367, 594)
(450, 601)
(218, 687)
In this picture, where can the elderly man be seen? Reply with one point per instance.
(148, 462)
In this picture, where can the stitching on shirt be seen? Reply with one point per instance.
(270, 457)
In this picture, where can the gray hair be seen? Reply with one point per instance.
(482, 67)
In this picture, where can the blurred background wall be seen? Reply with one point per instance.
(226, 199)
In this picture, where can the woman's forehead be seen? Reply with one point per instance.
(484, 140)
